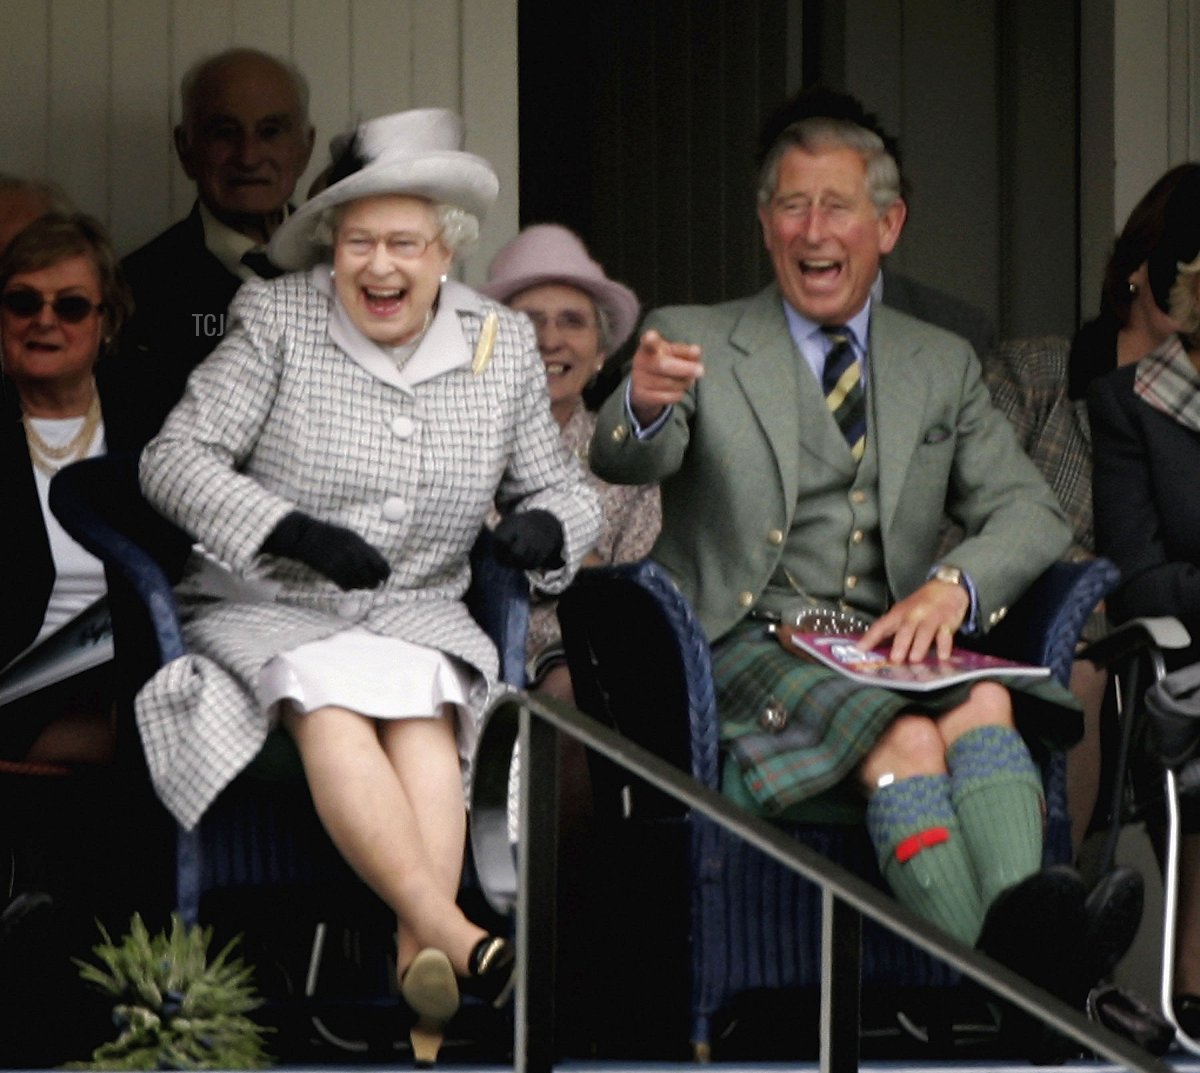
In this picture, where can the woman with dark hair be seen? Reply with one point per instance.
(1145, 421)
(1041, 385)
(1131, 323)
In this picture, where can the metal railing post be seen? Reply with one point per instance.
(846, 894)
(841, 977)
(537, 896)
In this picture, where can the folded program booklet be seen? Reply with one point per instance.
(86, 641)
(840, 652)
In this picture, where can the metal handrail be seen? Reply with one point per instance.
(524, 883)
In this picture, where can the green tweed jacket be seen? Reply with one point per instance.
(740, 452)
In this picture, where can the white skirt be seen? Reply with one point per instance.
(376, 676)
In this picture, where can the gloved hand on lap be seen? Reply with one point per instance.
(338, 553)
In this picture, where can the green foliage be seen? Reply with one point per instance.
(175, 1008)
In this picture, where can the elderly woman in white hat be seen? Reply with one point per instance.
(338, 454)
(582, 317)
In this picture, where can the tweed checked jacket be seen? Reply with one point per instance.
(296, 410)
(738, 457)
(1028, 382)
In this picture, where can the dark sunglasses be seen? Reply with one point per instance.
(70, 308)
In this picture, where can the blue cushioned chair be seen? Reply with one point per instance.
(262, 834)
(640, 663)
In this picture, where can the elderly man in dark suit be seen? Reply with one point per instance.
(244, 139)
(811, 457)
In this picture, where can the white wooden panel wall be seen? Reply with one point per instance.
(89, 89)
(1156, 94)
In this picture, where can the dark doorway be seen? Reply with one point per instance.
(638, 123)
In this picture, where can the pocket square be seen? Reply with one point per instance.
(937, 434)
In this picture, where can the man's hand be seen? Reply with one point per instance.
(662, 373)
(930, 616)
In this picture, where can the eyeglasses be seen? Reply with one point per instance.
(402, 245)
(568, 322)
(70, 308)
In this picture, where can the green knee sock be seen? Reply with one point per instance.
(997, 795)
(922, 854)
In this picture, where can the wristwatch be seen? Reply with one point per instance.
(950, 574)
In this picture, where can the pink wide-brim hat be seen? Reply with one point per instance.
(417, 153)
(551, 253)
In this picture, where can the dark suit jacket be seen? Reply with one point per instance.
(1146, 504)
(937, 307)
(180, 292)
(133, 405)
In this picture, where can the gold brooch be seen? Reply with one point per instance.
(487, 340)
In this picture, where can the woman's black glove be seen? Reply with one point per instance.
(338, 553)
(531, 540)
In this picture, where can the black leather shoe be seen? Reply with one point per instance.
(1114, 912)
(1187, 1014)
(1036, 928)
(492, 963)
(1031, 926)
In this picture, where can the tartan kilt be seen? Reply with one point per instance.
(831, 722)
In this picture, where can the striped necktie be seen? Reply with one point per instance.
(842, 382)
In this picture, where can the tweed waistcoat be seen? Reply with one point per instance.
(833, 551)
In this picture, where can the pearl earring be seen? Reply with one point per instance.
(1133, 289)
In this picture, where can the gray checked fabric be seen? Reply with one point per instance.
(1027, 379)
(297, 411)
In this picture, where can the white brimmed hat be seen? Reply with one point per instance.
(551, 253)
(418, 153)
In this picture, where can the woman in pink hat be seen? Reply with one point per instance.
(581, 317)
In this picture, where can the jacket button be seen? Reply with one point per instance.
(851, 581)
(858, 496)
(402, 427)
(395, 509)
(857, 536)
(775, 536)
(745, 599)
(619, 433)
(349, 606)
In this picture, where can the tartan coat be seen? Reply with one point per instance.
(296, 410)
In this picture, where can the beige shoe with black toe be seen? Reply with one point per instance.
(430, 988)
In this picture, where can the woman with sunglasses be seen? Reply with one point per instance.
(62, 305)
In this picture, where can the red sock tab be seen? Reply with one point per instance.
(913, 845)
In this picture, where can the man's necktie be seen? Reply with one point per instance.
(842, 382)
(261, 265)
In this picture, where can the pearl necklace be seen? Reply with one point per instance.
(50, 458)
